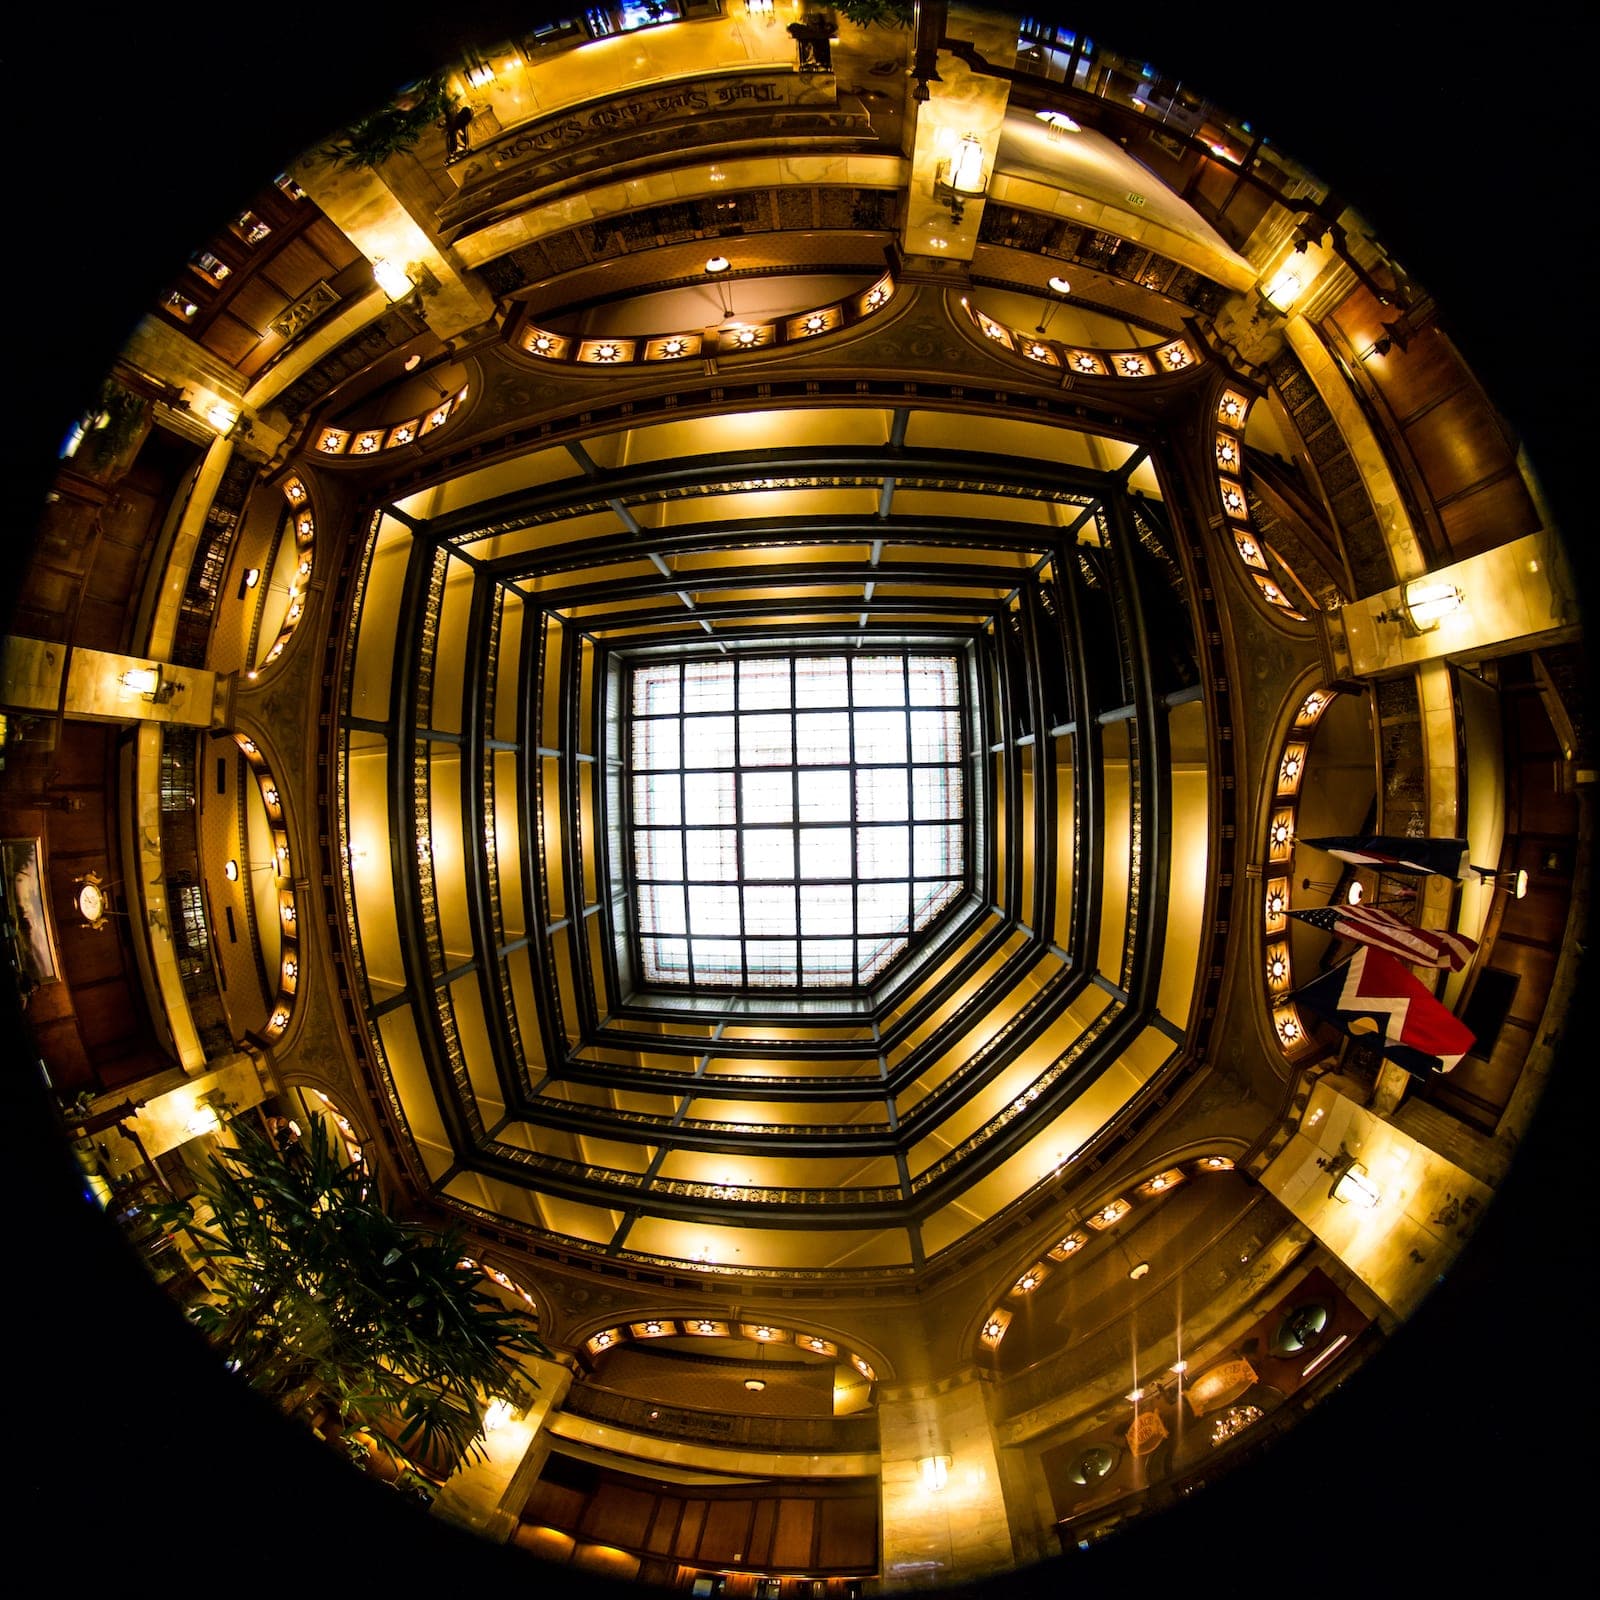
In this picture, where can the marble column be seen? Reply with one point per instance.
(486, 1497)
(1404, 1222)
(933, 1532)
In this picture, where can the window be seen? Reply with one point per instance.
(795, 821)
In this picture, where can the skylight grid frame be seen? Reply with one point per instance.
(751, 867)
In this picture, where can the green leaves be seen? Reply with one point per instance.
(326, 1301)
(880, 13)
(394, 127)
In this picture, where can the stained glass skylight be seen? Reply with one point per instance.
(796, 820)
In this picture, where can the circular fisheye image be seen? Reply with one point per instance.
(796, 798)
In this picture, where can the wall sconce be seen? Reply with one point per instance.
(961, 178)
(395, 282)
(1350, 1185)
(1284, 288)
(148, 684)
(142, 681)
(1424, 603)
(1394, 333)
(223, 417)
(935, 1472)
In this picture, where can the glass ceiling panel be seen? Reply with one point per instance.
(795, 821)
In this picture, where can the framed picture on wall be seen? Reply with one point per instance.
(33, 934)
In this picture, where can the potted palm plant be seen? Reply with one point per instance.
(344, 1316)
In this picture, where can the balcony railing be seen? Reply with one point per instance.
(852, 1435)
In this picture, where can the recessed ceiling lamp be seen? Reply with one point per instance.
(755, 1385)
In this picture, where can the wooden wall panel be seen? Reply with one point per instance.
(229, 339)
(664, 1525)
(848, 1532)
(798, 1527)
(105, 1019)
(759, 1552)
(688, 1540)
(1534, 964)
(330, 243)
(618, 1515)
(294, 269)
(61, 1046)
(1498, 509)
(555, 1504)
(1458, 443)
(43, 608)
(257, 303)
(83, 755)
(727, 1531)
(99, 624)
(616, 1565)
(792, 1544)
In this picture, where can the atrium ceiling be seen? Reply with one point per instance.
(921, 1131)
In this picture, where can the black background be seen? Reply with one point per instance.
(1459, 1454)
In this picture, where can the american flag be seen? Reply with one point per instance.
(1423, 947)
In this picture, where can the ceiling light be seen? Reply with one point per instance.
(718, 264)
(1138, 1269)
(230, 871)
(755, 1385)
